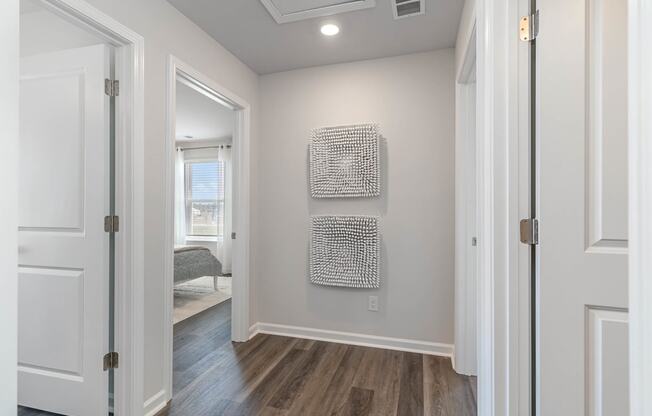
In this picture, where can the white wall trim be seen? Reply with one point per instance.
(129, 267)
(155, 404)
(351, 338)
(486, 338)
(640, 206)
(465, 213)
(178, 69)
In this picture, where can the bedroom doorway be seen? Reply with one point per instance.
(207, 223)
(203, 202)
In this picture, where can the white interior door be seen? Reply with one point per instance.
(63, 289)
(582, 155)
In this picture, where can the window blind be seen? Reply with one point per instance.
(205, 198)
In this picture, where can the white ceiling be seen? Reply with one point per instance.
(247, 29)
(201, 117)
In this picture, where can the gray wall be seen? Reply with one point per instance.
(43, 31)
(412, 99)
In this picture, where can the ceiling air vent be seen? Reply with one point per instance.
(407, 8)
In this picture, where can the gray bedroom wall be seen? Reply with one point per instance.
(411, 97)
(167, 31)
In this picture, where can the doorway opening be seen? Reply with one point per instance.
(203, 202)
(207, 203)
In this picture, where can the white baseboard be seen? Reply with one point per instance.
(374, 341)
(154, 404)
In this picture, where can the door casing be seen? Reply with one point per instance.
(504, 165)
(129, 196)
(640, 205)
(466, 212)
(240, 331)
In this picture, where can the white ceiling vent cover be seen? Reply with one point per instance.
(407, 8)
(286, 11)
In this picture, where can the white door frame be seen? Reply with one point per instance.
(503, 147)
(129, 198)
(9, 104)
(178, 69)
(640, 207)
(466, 318)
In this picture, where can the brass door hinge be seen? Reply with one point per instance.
(528, 28)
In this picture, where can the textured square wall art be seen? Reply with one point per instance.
(344, 251)
(344, 162)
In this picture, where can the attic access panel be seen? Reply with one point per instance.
(285, 11)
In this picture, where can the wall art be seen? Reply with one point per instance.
(344, 161)
(344, 251)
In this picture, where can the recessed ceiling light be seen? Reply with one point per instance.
(330, 30)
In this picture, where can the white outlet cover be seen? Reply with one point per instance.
(373, 303)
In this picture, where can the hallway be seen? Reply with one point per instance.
(272, 375)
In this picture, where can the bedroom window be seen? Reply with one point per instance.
(205, 199)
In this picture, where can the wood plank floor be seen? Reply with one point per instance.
(274, 376)
(280, 376)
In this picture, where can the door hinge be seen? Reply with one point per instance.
(112, 87)
(530, 231)
(111, 360)
(111, 223)
(528, 28)
(232, 236)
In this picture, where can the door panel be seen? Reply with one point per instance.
(582, 197)
(59, 153)
(59, 296)
(607, 123)
(63, 304)
(607, 364)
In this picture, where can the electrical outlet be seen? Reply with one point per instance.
(373, 303)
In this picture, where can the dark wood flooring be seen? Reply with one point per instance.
(274, 376)
(26, 411)
(280, 376)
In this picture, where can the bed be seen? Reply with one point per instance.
(192, 262)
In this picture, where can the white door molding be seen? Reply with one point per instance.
(129, 197)
(640, 206)
(465, 361)
(178, 70)
(9, 103)
(503, 198)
